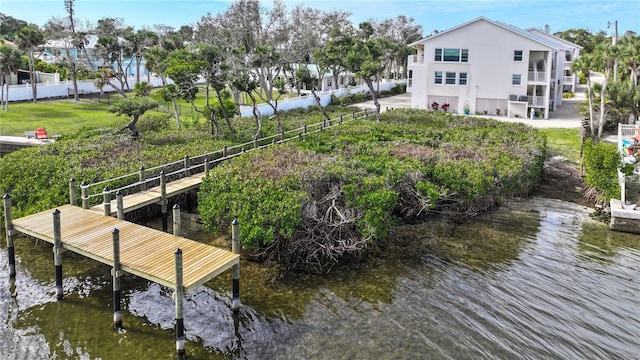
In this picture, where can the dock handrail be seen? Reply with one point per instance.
(192, 165)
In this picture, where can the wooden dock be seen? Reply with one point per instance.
(144, 252)
(153, 195)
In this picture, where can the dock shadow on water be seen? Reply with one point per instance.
(536, 279)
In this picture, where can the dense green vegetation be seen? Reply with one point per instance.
(601, 163)
(37, 178)
(349, 184)
(311, 202)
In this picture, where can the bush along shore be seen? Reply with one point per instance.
(326, 198)
(315, 201)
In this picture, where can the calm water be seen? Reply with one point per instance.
(536, 281)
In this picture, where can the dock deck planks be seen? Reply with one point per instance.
(144, 252)
(153, 195)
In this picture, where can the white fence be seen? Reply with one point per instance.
(325, 97)
(56, 89)
(65, 89)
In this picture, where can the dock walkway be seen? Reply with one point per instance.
(144, 252)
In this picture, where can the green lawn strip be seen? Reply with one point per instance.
(563, 142)
(59, 117)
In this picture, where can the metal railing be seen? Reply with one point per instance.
(537, 76)
(146, 178)
(536, 100)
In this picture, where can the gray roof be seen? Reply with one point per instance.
(516, 30)
(553, 37)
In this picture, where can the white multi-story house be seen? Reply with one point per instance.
(490, 67)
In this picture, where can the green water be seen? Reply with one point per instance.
(537, 280)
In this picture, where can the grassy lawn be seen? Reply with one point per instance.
(57, 116)
(62, 117)
(564, 142)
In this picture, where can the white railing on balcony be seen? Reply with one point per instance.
(568, 80)
(416, 59)
(537, 76)
(535, 100)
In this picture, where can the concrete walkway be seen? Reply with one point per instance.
(565, 116)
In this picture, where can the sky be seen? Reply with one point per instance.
(560, 15)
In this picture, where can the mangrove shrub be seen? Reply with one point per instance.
(327, 196)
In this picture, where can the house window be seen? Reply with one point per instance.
(516, 79)
(462, 79)
(438, 77)
(451, 78)
(452, 55)
(517, 55)
(438, 55)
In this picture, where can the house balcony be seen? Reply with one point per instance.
(537, 101)
(416, 59)
(567, 80)
(537, 76)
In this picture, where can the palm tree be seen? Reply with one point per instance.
(28, 39)
(156, 63)
(605, 56)
(583, 65)
(10, 61)
(630, 54)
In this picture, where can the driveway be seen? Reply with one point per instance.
(565, 116)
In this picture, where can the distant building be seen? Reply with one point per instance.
(55, 51)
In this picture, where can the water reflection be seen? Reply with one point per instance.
(536, 280)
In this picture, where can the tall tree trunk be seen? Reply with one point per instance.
(317, 98)
(257, 116)
(224, 113)
(603, 95)
(590, 102)
(137, 69)
(2, 94)
(32, 77)
(2, 90)
(375, 98)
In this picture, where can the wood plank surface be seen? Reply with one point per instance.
(153, 195)
(144, 252)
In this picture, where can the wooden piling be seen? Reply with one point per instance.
(84, 193)
(179, 290)
(8, 224)
(115, 272)
(163, 199)
(120, 205)
(255, 143)
(224, 151)
(106, 201)
(304, 131)
(57, 253)
(235, 237)
(340, 122)
(281, 135)
(206, 166)
(72, 192)
(176, 220)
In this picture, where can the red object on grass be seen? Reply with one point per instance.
(41, 133)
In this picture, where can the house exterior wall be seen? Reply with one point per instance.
(490, 70)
